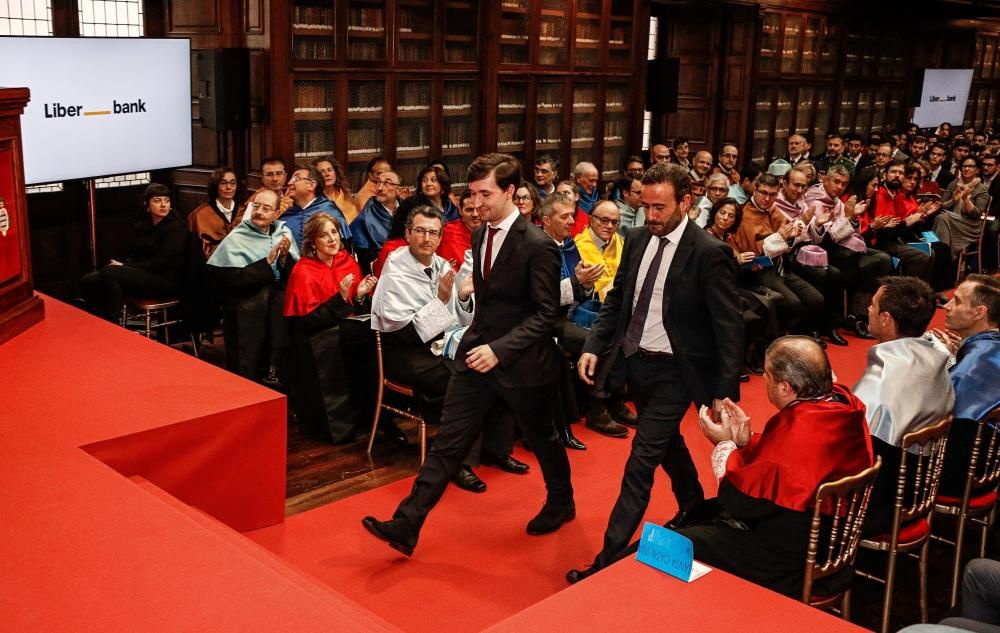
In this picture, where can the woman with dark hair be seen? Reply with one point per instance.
(154, 267)
(213, 219)
(433, 190)
(964, 203)
(528, 202)
(335, 186)
(251, 267)
(758, 304)
(324, 288)
(859, 204)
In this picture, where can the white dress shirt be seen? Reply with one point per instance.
(654, 332)
(498, 238)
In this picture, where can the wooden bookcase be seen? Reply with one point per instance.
(450, 79)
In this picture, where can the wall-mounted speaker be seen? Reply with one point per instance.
(224, 88)
(661, 84)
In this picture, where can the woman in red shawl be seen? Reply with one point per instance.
(324, 288)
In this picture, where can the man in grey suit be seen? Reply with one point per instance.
(506, 354)
(673, 327)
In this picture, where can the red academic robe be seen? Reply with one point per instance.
(312, 283)
(456, 240)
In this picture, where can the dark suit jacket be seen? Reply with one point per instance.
(945, 176)
(700, 311)
(516, 307)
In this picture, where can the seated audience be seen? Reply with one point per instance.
(372, 226)
(716, 190)
(972, 318)
(570, 189)
(891, 234)
(213, 219)
(433, 190)
(700, 169)
(154, 267)
(759, 305)
(273, 177)
(306, 189)
(798, 150)
(980, 602)
(835, 148)
(726, 164)
(325, 287)
(660, 154)
(251, 266)
(457, 238)
(414, 306)
(939, 174)
(335, 186)
(964, 202)
(600, 243)
(546, 174)
(742, 191)
(905, 386)
(630, 204)
(681, 148)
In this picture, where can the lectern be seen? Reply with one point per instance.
(20, 308)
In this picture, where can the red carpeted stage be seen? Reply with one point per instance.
(130, 470)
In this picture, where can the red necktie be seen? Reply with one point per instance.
(489, 250)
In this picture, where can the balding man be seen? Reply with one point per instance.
(586, 177)
(726, 164)
(660, 154)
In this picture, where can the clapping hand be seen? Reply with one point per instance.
(445, 285)
(366, 286)
(726, 421)
(587, 275)
(949, 338)
(466, 288)
(345, 286)
(745, 258)
(822, 215)
(279, 250)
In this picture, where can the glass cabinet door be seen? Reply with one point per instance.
(620, 40)
(365, 125)
(553, 33)
(804, 110)
(366, 30)
(811, 45)
(587, 43)
(461, 29)
(313, 30)
(548, 118)
(615, 130)
(790, 44)
(459, 133)
(783, 121)
(770, 47)
(313, 113)
(512, 113)
(415, 30)
(413, 129)
(763, 111)
(515, 31)
(582, 132)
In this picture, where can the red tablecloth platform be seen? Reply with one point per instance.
(122, 464)
(631, 596)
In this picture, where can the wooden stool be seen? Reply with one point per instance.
(156, 314)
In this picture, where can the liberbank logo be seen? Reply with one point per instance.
(59, 111)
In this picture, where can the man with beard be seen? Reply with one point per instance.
(891, 233)
(673, 327)
(834, 155)
(918, 147)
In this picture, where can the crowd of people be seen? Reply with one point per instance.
(525, 304)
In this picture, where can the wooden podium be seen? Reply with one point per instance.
(20, 308)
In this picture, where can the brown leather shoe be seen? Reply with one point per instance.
(604, 425)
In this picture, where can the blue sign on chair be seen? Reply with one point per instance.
(666, 550)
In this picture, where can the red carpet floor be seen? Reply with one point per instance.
(475, 565)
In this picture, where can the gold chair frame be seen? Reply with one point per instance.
(848, 498)
(401, 389)
(983, 474)
(156, 314)
(977, 251)
(923, 482)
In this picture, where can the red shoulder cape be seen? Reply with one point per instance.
(802, 446)
(312, 283)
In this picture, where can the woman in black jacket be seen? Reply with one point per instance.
(154, 267)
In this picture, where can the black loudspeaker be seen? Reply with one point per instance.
(916, 88)
(661, 84)
(224, 88)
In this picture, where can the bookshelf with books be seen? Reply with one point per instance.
(582, 134)
(459, 128)
(413, 128)
(616, 112)
(366, 30)
(366, 125)
(512, 117)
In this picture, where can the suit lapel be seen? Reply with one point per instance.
(684, 249)
(510, 243)
(477, 242)
(635, 260)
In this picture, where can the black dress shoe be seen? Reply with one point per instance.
(744, 378)
(754, 368)
(468, 480)
(507, 463)
(680, 520)
(835, 338)
(819, 339)
(574, 576)
(387, 428)
(622, 414)
(396, 532)
(569, 440)
(551, 517)
(860, 330)
(604, 425)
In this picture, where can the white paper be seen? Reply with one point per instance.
(698, 570)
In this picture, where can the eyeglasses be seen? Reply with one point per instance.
(718, 189)
(606, 221)
(386, 183)
(766, 194)
(970, 166)
(522, 198)
(422, 232)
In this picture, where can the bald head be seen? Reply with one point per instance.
(660, 154)
(702, 163)
(586, 176)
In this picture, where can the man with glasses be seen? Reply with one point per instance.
(272, 178)
(660, 154)
(306, 191)
(630, 204)
(371, 227)
(716, 190)
(634, 167)
(727, 163)
(766, 231)
(546, 175)
(883, 156)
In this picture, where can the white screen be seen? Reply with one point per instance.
(944, 97)
(86, 77)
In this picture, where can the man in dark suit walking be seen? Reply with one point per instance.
(508, 355)
(672, 320)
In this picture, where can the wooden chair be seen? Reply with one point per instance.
(156, 313)
(844, 502)
(911, 522)
(978, 509)
(401, 389)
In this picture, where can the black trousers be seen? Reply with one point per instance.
(470, 398)
(661, 399)
(912, 261)
(829, 282)
(103, 289)
(801, 305)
